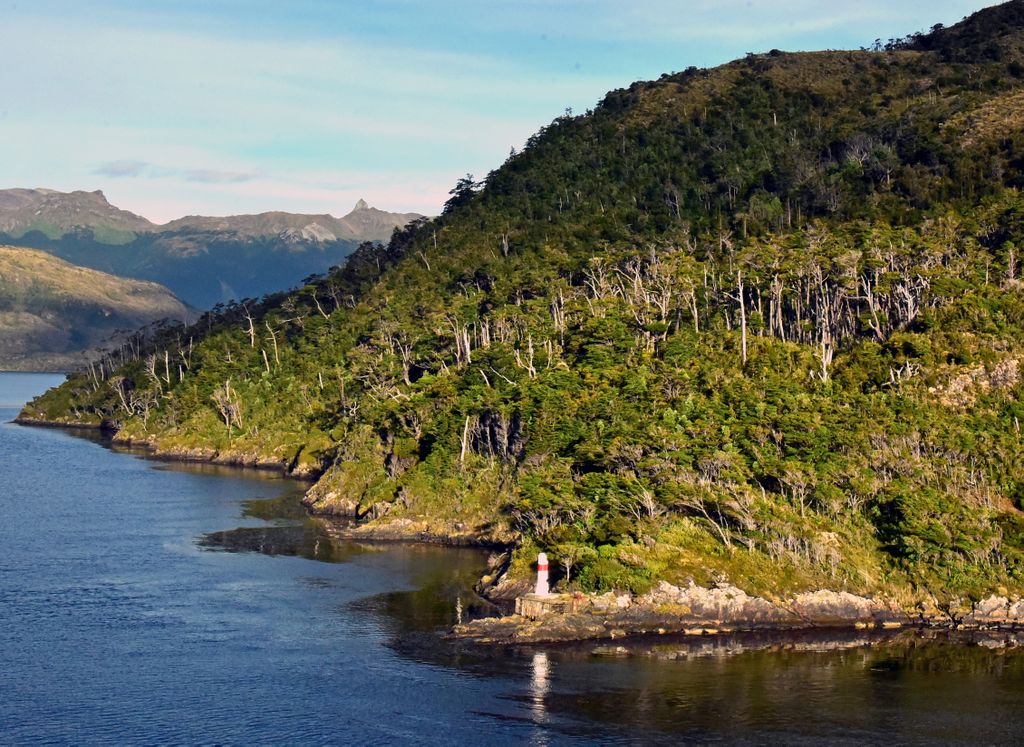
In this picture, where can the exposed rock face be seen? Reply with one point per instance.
(370, 224)
(12, 199)
(715, 605)
(825, 607)
(995, 610)
(286, 464)
(719, 609)
(963, 390)
(725, 604)
(363, 223)
(331, 502)
(508, 589)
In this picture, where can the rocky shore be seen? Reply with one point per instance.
(695, 610)
(407, 530)
(155, 449)
(352, 525)
(326, 498)
(223, 457)
(71, 424)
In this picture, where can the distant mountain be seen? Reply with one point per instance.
(55, 214)
(374, 224)
(363, 223)
(203, 260)
(55, 315)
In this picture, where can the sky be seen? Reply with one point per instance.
(222, 107)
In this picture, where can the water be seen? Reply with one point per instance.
(148, 602)
(18, 388)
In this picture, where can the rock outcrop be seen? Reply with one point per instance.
(722, 608)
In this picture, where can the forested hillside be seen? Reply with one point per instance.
(760, 323)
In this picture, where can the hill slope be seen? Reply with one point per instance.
(54, 315)
(204, 260)
(760, 323)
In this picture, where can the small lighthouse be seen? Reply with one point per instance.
(542, 576)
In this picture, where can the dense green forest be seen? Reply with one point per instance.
(760, 323)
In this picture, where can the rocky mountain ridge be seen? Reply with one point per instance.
(362, 223)
(56, 213)
(204, 260)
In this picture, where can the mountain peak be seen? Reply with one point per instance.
(361, 205)
(56, 213)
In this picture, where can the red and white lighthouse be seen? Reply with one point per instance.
(542, 576)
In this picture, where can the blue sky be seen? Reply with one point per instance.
(186, 107)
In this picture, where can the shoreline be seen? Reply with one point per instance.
(204, 455)
(196, 455)
(347, 526)
(722, 609)
(40, 423)
(717, 611)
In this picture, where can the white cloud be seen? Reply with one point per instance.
(213, 176)
(207, 110)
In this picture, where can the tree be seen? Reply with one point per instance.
(461, 194)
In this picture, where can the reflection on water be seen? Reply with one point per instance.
(539, 686)
(905, 687)
(443, 577)
(18, 388)
(281, 540)
(840, 686)
(290, 533)
(285, 508)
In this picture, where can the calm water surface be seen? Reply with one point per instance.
(146, 602)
